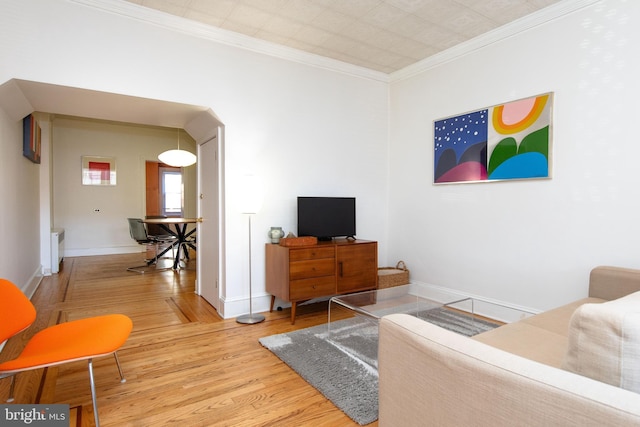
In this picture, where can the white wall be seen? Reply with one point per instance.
(304, 129)
(94, 217)
(528, 243)
(19, 211)
(308, 130)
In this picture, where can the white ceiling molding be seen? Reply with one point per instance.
(219, 35)
(523, 24)
(197, 29)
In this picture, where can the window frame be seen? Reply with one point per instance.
(166, 171)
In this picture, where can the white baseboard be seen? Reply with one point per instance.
(32, 284)
(230, 308)
(103, 251)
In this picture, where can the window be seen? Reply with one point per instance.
(172, 191)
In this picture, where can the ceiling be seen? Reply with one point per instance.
(381, 35)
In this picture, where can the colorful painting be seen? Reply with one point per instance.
(31, 142)
(504, 142)
(98, 170)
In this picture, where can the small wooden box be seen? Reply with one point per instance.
(298, 241)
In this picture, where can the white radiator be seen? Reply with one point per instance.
(57, 248)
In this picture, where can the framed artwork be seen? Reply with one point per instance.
(98, 170)
(31, 142)
(504, 142)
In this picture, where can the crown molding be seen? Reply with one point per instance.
(525, 23)
(219, 35)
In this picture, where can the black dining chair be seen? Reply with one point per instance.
(156, 231)
(138, 232)
(164, 238)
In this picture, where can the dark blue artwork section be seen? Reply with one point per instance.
(458, 138)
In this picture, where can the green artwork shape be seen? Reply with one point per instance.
(504, 150)
(536, 142)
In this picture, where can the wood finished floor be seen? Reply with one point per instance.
(184, 365)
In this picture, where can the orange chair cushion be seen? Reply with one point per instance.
(75, 340)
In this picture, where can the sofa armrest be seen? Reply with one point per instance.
(431, 376)
(611, 283)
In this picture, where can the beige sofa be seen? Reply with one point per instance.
(520, 374)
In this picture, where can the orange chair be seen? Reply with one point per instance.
(82, 339)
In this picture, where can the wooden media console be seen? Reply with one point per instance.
(300, 273)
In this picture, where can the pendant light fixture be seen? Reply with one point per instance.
(177, 158)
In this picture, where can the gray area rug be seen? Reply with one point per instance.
(457, 322)
(343, 364)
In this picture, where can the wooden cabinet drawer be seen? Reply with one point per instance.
(311, 253)
(312, 268)
(311, 288)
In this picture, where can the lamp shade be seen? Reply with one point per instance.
(178, 158)
(251, 195)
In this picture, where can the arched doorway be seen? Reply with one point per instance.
(19, 98)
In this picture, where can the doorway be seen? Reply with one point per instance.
(200, 122)
(164, 190)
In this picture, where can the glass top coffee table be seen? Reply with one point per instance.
(420, 301)
(411, 299)
(353, 319)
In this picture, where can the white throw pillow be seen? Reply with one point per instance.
(604, 342)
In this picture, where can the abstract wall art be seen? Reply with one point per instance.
(98, 170)
(31, 139)
(504, 142)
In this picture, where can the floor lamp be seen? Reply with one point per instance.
(252, 198)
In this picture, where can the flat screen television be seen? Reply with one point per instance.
(327, 217)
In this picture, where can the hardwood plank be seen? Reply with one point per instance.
(184, 364)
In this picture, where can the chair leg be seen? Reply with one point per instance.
(93, 394)
(151, 266)
(138, 269)
(122, 378)
(12, 389)
(94, 399)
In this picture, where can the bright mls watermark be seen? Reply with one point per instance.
(34, 415)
